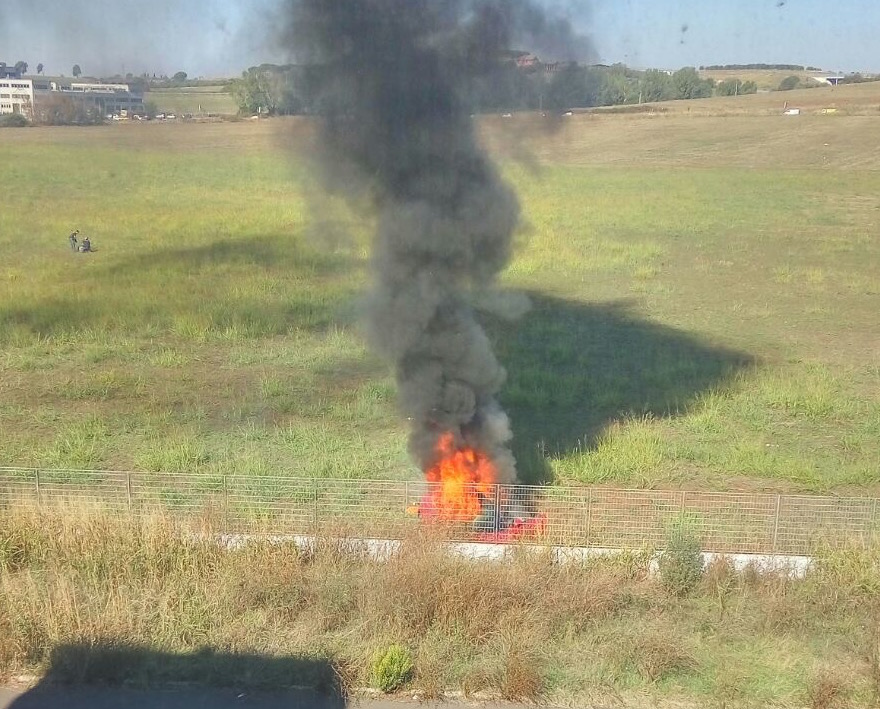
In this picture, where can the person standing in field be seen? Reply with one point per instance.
(72, 237)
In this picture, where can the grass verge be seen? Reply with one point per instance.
(79, 585)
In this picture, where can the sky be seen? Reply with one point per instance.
(214, 38)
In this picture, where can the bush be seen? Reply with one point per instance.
(64, 111)
(392, 669)
(13, 120)
(735, 87)
(789, 83)
(681, 566)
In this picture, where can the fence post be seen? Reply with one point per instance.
(225, 504)
(406, 496)
(874, 524)
(39, 492)
(589, 539)
(776, 523)
(497, 521)
(128, 489)
(315, 506)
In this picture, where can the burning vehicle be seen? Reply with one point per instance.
(463, 491)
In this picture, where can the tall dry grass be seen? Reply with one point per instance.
(519, 629)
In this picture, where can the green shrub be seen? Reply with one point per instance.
(392, 669)
(13, 120)
(681, 566)
(789, 83)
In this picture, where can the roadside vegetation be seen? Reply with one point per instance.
(87, 596)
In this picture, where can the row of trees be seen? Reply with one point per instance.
(22, 68)
(760, 67)
(273, 89)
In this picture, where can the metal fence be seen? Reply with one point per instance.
(588, 517)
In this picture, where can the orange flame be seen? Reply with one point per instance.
(463, 479)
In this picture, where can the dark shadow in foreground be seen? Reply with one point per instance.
(574, 368)
(94, 676)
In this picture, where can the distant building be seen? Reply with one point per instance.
(106, 98)
(9, 72)
(527, 61)
(833, 80)
(16, 94)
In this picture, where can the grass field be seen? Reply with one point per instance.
(704, 295)
(704, 289)
(193, 99)
(764, 78)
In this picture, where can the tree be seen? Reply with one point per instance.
(21, 67)
(616, 88)
(789, 83)
(57, 110)
(688, 84)
(656, 86)
(568, 88)
(39, 68)
(272, 89)
(735, 87)
(76, 71)
(179, 76)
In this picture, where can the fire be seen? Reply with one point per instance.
(463, 480)
(463, 490)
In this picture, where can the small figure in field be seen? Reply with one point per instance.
(72, 238)
(86, 245)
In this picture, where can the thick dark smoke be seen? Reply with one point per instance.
(391, 76)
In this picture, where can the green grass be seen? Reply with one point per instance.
(193, 99)
(695, 322)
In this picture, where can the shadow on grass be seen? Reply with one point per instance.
(275, 251)
(166, 289)
(574, 368)
(85, 675)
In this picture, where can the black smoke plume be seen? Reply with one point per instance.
(390, 79)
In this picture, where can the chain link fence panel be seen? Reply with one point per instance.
(381, 509)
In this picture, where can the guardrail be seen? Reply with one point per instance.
(570, 516)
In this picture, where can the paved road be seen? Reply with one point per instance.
(44, 697)
(185, 698)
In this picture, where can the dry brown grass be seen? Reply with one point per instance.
(515, 629)
(873, 655)
(656, 651)
(827, 689)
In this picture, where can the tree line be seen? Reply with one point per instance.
(760, 67)
(291, 89)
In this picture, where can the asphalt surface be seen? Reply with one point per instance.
(48, 697)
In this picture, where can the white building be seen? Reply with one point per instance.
(106, 98)
(17, 96)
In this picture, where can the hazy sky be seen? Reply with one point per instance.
(223, 37)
